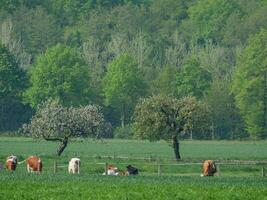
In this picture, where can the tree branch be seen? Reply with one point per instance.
(54, 139)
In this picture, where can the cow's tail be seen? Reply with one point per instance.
(22, 161)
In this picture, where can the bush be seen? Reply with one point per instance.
(125, 132)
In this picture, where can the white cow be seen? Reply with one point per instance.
(74, 165)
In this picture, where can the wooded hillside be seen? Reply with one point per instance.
(114, 52)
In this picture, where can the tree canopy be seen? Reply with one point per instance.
(60, 74)
(250, 85)
(54, 122)
(161, 117)
(13, 82)
(176, 47)
(122, 85)
(192, 79)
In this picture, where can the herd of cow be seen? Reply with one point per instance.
(34, 164)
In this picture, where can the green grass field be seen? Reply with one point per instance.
(59, 186)
(176, 182)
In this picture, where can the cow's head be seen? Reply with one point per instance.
(112, 168)
(212, 168)
(13, 159)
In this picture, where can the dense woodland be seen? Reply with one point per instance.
(118, 53)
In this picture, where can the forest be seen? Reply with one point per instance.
(130, 56)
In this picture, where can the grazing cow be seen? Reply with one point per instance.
(34, 164)
(209, 168)
(74, 165)
(111, 170)
(11, 163)
(131, 170)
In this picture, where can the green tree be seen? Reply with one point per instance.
(14, 45)
(226, 122)
(36, 29)
(163, 117)
(207, 19)
(12, 83)
(165, 83)
(166, 15)
(9, 5)
(250, 85)
(192, 79)
(242, 24)
(53, 122)
(122, 86)
(60, 74)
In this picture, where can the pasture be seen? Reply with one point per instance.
(176, 182)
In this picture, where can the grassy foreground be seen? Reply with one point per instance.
(177, 182)
(50, 186)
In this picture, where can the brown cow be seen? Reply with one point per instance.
(34, 164)
(209, 168)
(11, 163)
(111, 170)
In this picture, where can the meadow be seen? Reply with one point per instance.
(176, 182)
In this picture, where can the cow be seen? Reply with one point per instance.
(131, 170)
(34, 164)
(111, 170)
(74, 165)
(209, 168)
(11, 163)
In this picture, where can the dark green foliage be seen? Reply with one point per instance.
(9, 5)
(181, 47)
(226, 122)
(36, 29)
(192, 79)
(13, 79)
(165, 83)
(250, 85)
(12, 84)
(207, 19)
(239, 28)
(59, 74)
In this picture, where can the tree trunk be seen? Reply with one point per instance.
(176, 149)
(122, 120)
(62, 146)
(212, 131)
(264, 134)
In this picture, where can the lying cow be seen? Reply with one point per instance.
(74, 165)
(131, 170)
(209, 168)
(111, 170)
(11, 163)
(34, 164)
